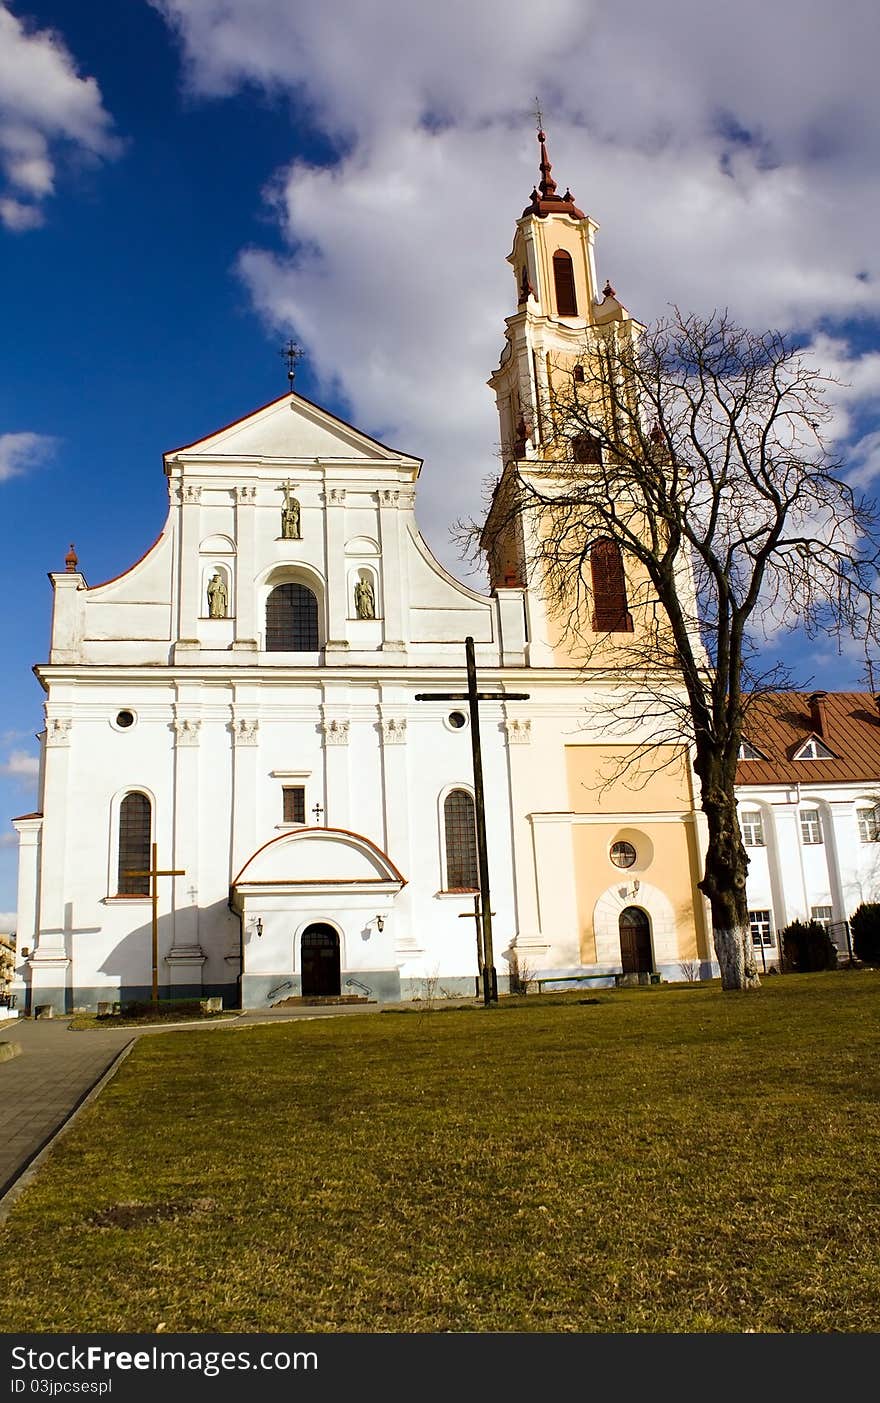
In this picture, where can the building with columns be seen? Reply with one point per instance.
(244, 698)
(809, 809)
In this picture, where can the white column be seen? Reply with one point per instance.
(188, 567)
(245, 753)
(28, 891)
(246, 623)
(50, 960)
(186, 956)
(394, 591)
(397, 829)
(337, 602)
(337, 789)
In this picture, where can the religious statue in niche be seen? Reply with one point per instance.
(289, 515)
(364, 598)
(218, 597)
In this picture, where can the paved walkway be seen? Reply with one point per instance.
(43, 1083)
(46, 1071)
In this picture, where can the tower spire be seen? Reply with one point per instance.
(548, 184)
(544, 197)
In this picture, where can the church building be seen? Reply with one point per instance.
(240, 708)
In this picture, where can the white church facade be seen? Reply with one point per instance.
(242, 701)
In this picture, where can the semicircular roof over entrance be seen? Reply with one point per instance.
(311, 857)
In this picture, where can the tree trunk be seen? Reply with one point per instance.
(724, 883)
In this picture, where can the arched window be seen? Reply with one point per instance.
(563, 278)
(461, 841)
(610, 613)
(134, 845)
(585, 448)
(292, 620)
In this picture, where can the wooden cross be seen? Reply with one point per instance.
(154, 874)
(477, 917)
(473, 698)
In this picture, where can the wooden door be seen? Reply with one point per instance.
(320, 961)
(635, 941)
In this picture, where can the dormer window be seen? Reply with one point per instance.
(813, 749)
(748, 752)
(563, 281)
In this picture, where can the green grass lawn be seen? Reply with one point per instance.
(664, 1159)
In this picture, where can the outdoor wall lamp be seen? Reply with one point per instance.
(380, 924)
(258, 926)
(636, 887)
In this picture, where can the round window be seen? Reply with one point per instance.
(623, 854)
(124, 719)
(457, 719)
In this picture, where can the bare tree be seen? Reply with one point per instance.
(695, 449)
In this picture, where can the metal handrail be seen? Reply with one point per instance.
(357, 983)
(277, 990)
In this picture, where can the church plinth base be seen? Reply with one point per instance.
(185, 968)
(48, 978)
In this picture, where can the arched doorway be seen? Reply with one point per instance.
(320, 961)
(635, 941)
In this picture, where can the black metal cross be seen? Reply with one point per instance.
(473, 698)
(292, 353)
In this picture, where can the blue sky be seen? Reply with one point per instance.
(183, 183)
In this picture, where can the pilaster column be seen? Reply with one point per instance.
(337, 603)
(395, 599)
(186, 955)
(245, 753)
(397, 833)
(246, 625)
(50, 960)
(337, 795)
(188, 565)
(29, 831)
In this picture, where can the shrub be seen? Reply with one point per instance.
(865, 928)
(806, 946)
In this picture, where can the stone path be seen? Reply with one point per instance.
(43, 1083)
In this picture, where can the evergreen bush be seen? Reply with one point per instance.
(807, 946)
(865, 927)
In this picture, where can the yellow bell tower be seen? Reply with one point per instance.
(560, 316)
(558, 304)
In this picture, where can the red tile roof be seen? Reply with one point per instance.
(778, 723)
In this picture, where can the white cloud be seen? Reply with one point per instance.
(725, 172)
(8, 921)
(21, 764)
(43, 102)
(20, 452)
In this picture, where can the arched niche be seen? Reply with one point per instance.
(216, 603)
(363, 593)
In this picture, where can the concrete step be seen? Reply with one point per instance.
(298, 1001)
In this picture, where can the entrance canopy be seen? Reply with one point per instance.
(316, 861)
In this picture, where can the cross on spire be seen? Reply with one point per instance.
(539, 116)
(292, 353)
